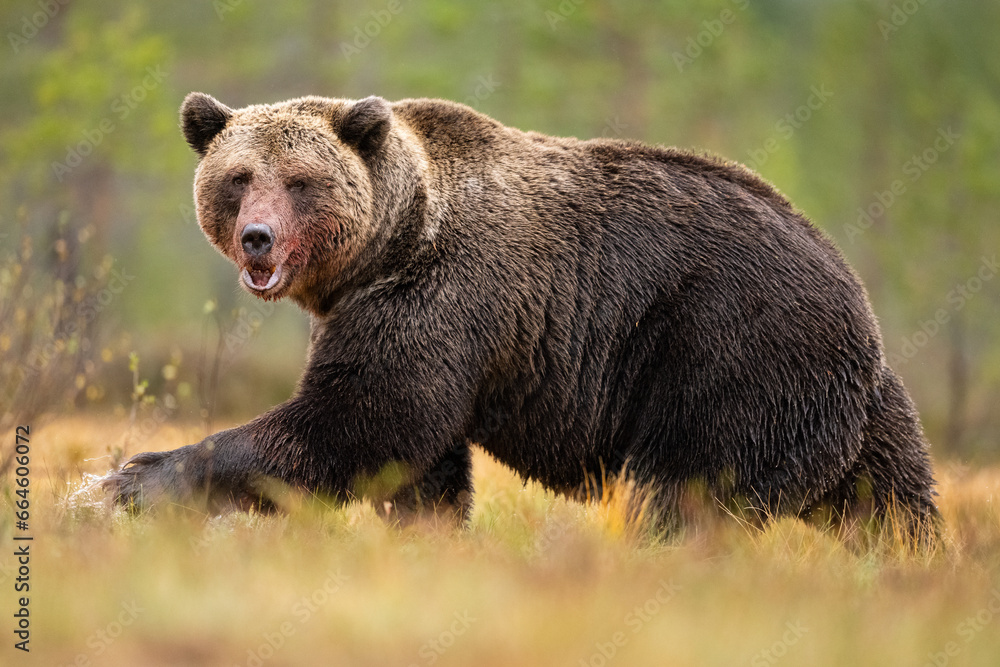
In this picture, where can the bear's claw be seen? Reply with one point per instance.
(142, 478)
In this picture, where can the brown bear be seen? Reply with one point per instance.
(579, 309)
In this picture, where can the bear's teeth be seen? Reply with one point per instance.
(262, 279)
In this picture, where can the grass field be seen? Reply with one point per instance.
(536, 580)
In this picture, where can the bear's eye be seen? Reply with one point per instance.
(297, 185)
(239, 180)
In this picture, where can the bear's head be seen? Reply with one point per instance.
(288, 192)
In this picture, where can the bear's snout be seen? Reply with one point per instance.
(262, 273)
(257, 239)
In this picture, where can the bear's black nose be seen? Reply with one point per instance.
(257, 239)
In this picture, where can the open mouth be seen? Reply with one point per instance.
(261, 280)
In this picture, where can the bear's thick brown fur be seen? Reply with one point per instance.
(578, 308)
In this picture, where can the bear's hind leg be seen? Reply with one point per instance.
(444, 490)
(892, 477)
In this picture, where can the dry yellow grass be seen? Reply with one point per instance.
(536, 580)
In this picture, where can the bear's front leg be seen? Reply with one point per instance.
(200, 477)
(384, 415)
(407, 449)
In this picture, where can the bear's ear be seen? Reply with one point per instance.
(366, 124)
(203, 117)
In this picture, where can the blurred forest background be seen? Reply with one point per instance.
(880, 119)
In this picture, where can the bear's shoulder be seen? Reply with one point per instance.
(702, 165)
(457, 127)
(433, 117)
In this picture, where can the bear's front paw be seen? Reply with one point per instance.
(144, 479)
(194, 478)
